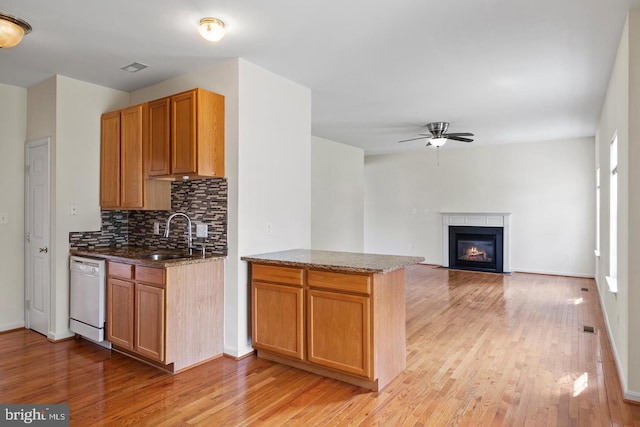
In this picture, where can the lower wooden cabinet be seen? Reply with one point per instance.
(120, 315)
(135, 310)
(149, 321)
(339, 331)
(277, 322)
(171, 317)
(349, 326)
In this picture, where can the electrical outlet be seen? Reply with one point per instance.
(4, 218)
(156, 228)
(202, 230)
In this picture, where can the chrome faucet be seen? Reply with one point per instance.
(189, 237)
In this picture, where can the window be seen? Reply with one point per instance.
(613, 216)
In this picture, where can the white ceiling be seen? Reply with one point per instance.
(507, 70)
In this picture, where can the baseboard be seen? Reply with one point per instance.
(553, 273)
(52, 336)
(11, 326)
(632, 397)
(543, 272)
(238, 354)
(629, 395)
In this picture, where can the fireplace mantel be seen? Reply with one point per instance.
(476, 219)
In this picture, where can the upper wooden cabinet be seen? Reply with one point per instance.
(159, 137)
(123, 183)
(110, 160)
(186, 135)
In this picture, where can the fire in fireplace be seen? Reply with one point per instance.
(476, 248)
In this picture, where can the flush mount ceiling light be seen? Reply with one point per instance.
(212, 29)
(12, 30)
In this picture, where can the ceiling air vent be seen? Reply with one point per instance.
(134, 67)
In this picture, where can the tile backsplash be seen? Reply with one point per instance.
(204, 200)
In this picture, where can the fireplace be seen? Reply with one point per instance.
(476, 248)
(476, 241)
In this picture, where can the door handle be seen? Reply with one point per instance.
(43, 250)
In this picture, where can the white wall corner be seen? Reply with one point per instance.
(238, 352)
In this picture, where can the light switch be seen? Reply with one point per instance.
(156, 228)
(73, 209)
(4, 218)
(202, 230)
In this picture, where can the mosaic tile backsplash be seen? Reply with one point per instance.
(204, 200)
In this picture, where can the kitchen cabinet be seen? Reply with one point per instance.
(120, 313)
(159, 138)
(136, 308)
(123, 183)
(169, 316)
(279, 330)
(339, 322)
(149, 321)
(186, 135)
(345, 325)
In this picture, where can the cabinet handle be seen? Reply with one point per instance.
(43, 250)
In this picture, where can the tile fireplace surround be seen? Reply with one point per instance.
(472, 219)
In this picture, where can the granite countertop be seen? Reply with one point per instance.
(335, 261)
(135, 255)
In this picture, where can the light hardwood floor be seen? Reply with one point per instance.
(482, 350)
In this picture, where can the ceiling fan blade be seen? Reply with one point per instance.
(413, 139)
(459, 134)
(426, 134)
(459, 138)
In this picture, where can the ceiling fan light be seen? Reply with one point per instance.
(12, 30)
(438, 142)
(211, 29)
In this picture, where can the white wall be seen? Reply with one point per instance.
(619, 116)
(274, 184)
(267, 162)
(337, 196)
(69, 112)
(548, 187)
(13, 128)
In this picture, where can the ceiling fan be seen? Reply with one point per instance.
(438, 135)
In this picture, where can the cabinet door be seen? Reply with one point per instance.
(110, 160)
(149, 321)
(278, 323)
(120, 309)
(131, 172)
(339, 332)
(159, 137)
(183, 133)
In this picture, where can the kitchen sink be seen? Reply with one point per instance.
(161, 257)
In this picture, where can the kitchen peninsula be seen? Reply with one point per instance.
(337, 314)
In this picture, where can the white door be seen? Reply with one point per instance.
(36, 224)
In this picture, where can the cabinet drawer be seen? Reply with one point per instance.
(355, 283)
(150, 275)
(270, 273)
(118, 269)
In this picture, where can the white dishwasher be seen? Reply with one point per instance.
(87, 299)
